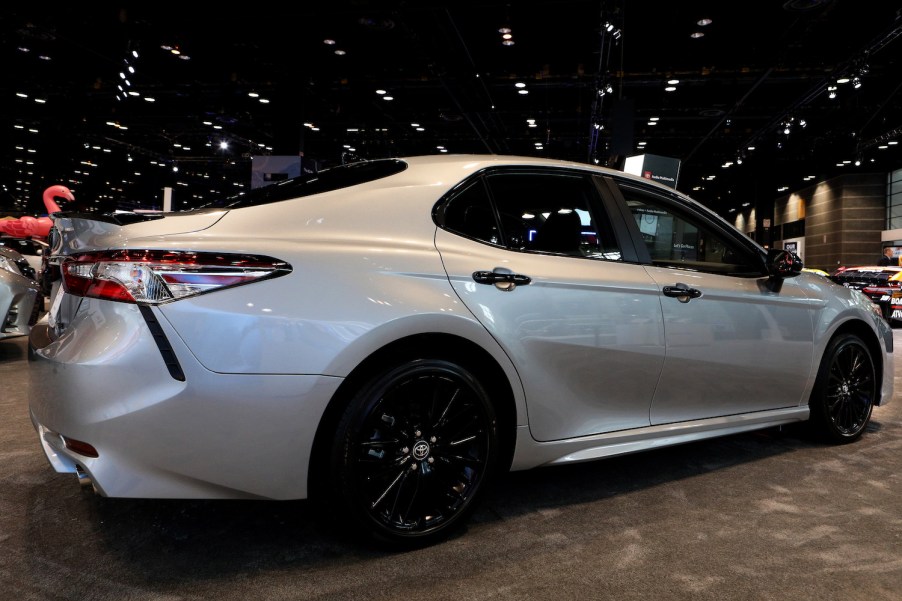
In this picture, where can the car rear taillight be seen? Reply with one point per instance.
(159, 276)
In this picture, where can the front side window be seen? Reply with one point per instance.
(677, 238)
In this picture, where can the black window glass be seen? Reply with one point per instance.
(543, 212)
(470, 213)
(327, 180)
(676, 238)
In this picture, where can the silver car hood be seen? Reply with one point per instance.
(84, 232)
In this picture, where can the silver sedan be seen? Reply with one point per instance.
(20, 297)
(389, 335)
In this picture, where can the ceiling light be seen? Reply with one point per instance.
(507, 36)
(21, 95)
(673, 82)
(519, 84)
(175, 51)
(207, 122)
(40, 100)
(507, 43)
(134, 93)
(414, 125)
(165, 47)
(843, 79)
(185, 57)
(135, 53)
(883, 147)
(149, 99)
(504, 30)
(340, 52)
(856, 83)
(253, 94)
(380, 92)
(891, 143)
(670, 89)
(329, 42)
(696, 35)
(131, 69)
(608, 27)
(421, 129)
(388, 98)
(654, 118)
(523, 92)
(223, 145)
(652, 123)
(264, 101)
(703, 22)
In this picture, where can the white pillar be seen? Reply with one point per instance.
(167, 199)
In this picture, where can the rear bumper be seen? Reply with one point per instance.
(212, 435)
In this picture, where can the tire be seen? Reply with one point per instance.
(413, 452)
(845, 390)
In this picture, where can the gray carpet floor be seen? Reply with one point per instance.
(764, 516)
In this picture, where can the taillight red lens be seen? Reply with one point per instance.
(157, 276)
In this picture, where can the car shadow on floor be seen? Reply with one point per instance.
(138, 541)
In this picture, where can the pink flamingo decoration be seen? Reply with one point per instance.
(30, 227)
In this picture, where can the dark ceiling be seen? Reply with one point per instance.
(591, 92)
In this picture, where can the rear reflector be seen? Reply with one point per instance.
(158, 276)
(82, 448)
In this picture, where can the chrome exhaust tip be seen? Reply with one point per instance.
(84, 479)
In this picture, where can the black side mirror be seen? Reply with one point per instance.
(783, 263)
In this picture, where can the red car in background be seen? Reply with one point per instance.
(883, 285)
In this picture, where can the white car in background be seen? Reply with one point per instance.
(390, 335)
(20, 298)
(31, 250)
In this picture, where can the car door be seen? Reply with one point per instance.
(537, 261)
(737, 341)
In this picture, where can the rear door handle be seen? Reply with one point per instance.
(503, 279)
(682, 292)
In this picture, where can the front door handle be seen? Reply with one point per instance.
(503, 279)
(682, 292)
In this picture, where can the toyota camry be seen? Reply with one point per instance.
(391, 335)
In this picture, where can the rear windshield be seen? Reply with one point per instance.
(326, 180)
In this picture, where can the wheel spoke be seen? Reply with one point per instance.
(387, 490)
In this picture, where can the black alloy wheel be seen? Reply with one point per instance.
(845, 391)
(413, 451)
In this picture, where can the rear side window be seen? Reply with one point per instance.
(540, 212)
